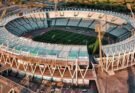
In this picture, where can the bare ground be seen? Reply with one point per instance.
(122, 82)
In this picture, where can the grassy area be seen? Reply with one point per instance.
(63, 37)
(109, 1)
(70, 38)
(103, 5)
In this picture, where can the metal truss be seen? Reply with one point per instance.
(119, 55)
(118, 62)
(76, 71)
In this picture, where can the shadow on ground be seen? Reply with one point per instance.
(131, 81)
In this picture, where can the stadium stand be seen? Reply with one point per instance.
(118, 25)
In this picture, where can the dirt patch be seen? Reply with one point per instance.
(122, 82)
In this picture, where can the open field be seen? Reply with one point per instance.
(64, 37)
(110, 1)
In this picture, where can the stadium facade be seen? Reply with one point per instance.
(67, 63)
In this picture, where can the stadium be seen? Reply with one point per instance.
(57, 45)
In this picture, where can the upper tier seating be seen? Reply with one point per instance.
(86, 18)
(61, 22)
(26, 46)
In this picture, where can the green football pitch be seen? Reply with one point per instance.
(70, 38)
(64, 37)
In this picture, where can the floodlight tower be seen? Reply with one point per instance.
(56, 4)
(98, 30)
(132, 14)
(130, 8)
